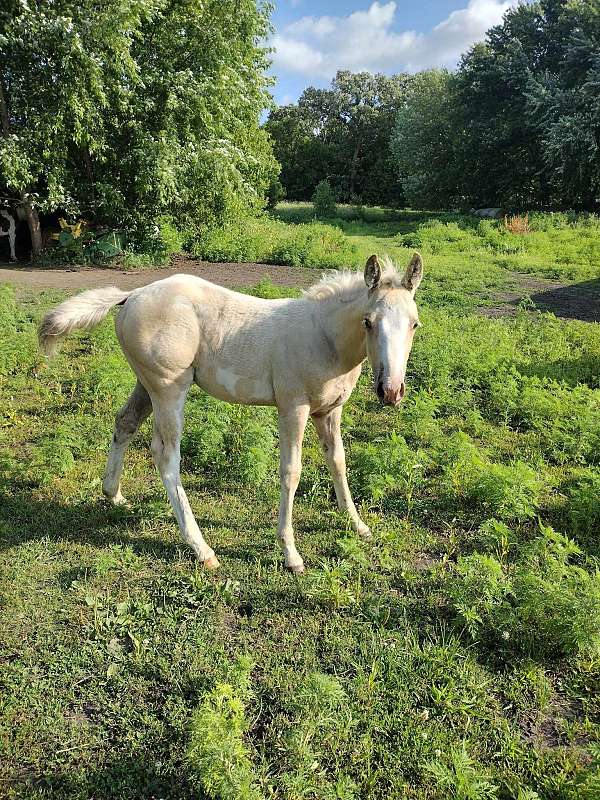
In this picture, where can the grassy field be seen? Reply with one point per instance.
(456, 656)
(560, 245)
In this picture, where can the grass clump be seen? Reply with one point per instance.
(459, 778)
(540, 604)
(217, 752)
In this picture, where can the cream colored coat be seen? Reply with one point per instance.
(303, 356)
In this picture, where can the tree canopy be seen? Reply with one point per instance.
(129, 109)
(340, 134)
(516, 125)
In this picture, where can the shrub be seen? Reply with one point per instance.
(324, 200)
(170, 238)
(217, 752)
(517, 224)
(539, 605)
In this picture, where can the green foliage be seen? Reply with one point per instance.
(340, 135)
(507, 491)
(217, 751)
(89, 248)
(460, 779)
(583, 509)
(230, 443)
(515, 126)
(422, 144)
(272, 242)
(539, 604)
(131, 111)
(323, 200)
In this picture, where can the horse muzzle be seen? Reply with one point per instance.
(390, 395)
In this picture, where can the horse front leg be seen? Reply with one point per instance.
(329, 431)
(292, 423)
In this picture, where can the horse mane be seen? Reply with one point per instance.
(345, 284)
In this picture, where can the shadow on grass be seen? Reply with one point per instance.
(133, 777)
(97, 523)
(577, 301)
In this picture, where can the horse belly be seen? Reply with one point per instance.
(227, 384)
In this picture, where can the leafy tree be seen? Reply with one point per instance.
(564, 104)
(299, 150)
(423, 141)
(130, 109)
(341, 135)
(528, 109)
(324, 200)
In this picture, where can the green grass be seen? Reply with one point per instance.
(455, 656)
(467, 259)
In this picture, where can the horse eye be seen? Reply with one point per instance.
(416, 325)
(367, 323)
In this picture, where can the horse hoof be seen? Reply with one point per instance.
(119, 501)
(365, 533)
(212, 563)
(297, 569)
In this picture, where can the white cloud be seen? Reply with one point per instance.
(365, 40)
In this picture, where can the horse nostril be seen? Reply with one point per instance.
(380, 393)
(402, 390)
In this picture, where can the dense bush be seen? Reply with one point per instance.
(323, 200)
(539, 604)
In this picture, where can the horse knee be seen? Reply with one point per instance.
(338, 463)
(290, 476)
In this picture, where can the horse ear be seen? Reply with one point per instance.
(414, 273)
(372, 273)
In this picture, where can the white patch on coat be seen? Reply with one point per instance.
(227, 379)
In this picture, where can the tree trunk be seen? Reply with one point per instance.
(35, 229)
(353, 169)
(31, 213)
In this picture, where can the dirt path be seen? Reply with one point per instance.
(76, 278)
(567, 300)
(571, 301)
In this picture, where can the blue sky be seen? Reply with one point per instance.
(314, 39)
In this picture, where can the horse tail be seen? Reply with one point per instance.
(84, 311)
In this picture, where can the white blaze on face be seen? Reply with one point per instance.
(393, 344)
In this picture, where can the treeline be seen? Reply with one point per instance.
(517, 124)
(129, 110)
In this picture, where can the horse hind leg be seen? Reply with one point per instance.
(168, 425)
(137, 408)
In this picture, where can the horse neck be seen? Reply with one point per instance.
(342, 321)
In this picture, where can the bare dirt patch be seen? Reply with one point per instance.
(570, 301)
(76, 278)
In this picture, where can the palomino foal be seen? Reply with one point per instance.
(303, 356)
